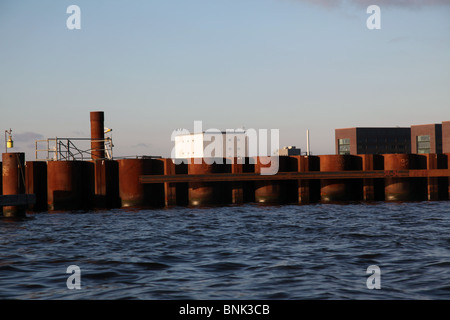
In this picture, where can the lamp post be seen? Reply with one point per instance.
(9, 143)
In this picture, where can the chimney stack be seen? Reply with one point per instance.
(97, 135)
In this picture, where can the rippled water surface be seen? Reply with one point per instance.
(244, 252)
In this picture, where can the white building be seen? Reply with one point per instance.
(211, 144)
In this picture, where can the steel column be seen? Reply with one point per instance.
(397, 189)
(13, 181)
(132, 192)
(70, 185)
(97, 135)
(204, 193)
(333, 189)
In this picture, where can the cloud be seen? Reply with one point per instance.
(399, 39)
(80, 134)
(142, 145)
(26, 136)
(366, 3)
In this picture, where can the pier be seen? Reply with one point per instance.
(158, 182)
(73, 179)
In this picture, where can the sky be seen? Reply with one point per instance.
(158, 65)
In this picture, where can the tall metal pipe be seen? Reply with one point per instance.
(97, 135)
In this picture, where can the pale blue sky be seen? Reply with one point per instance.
(157, 65)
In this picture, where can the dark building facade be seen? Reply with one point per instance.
(446, 137)
(373, 140)
(426, 138)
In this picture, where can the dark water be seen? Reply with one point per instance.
(245, 252)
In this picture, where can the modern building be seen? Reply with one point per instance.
(418, 139)
(289, 151)
(426, 138)
(446, 137)
(360, 140)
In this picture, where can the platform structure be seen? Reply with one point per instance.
(160, 182)
(238, 177)
(82, 174)
(60, 149)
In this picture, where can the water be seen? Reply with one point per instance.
(238, 252)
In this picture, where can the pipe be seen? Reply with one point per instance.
(97, 135)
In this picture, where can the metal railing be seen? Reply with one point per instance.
(60, 149)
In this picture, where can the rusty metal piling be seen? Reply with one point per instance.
(13, 181)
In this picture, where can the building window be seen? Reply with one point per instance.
(344, 146)
(423, 144)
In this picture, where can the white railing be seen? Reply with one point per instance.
(60, 149)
